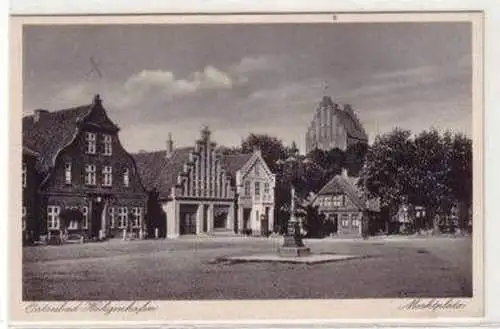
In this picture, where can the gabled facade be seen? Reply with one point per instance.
(344, 205)
(193, 187)
(84, 166)
(202, 191)
(255, 194)
(334, 127)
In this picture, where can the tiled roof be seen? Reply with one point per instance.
(347, 185)
(159, 171)
(233, 162)
(30, 152)
(51, 133)
(352, 125)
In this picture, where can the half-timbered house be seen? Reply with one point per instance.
(345, 205)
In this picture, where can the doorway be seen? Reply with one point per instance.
(96, 217)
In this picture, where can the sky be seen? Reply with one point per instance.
(252, 78)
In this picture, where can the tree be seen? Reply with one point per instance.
(355, 157)
(388, 171)
(431, 173)
(460, 176)
(272, 148)
(314, 221)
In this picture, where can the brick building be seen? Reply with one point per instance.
(198, 187)
(81, 165)
(334, 127)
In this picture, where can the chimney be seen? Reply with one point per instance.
(38, 114)
(344, 173)
(170, 145)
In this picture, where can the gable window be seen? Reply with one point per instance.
(247, 188)
(107, 172)
(257, 169)
(137, 213)
(108, 148)
(90, 142)
(126, 177)
(122, 217)
(85, 212)
(53, 217)
(90, 174)
(67, 173)
(266, 188)
(24, 176)
(338, 200)
(257, 189)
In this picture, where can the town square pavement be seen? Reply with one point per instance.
(191, 268)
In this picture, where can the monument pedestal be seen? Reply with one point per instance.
(293, 247)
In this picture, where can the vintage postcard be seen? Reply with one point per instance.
(170, 168)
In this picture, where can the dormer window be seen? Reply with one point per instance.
(108, 148)
(126, 178)
(90, 143)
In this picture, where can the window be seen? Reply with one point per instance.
(89, 174)
(247, 188)
(108, 148)
(111, 212)
(90, 143)
(24, 176)
(338, 200)
(355, 223)
(257, 169)
(345, 221)
(266, 188)
(67, 172)
(85, 212)
(257, 189)
(23, 214)
(53, 217)
(107, 172)
(126, 178)
(122, 217)
(137, 213)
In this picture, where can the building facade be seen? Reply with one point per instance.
(255, 185)
(333, 127)
(198, 188)
(30, 183)
(84, 167)
(344, 205)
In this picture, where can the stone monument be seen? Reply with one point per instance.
(293, 246)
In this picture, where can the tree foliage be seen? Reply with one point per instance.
(430, 169)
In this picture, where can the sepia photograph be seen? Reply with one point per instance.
(262, 161)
